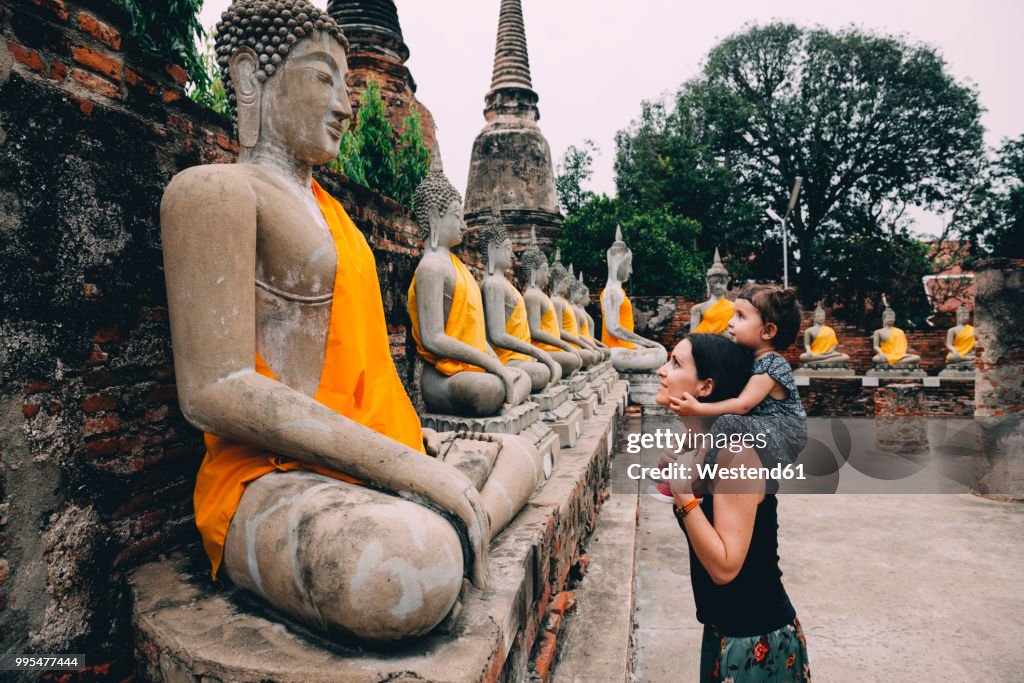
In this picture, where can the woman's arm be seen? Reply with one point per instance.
(757, 390)
(722, 547)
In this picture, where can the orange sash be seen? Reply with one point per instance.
(716, 319)
(569, 323)
(465, 320)
(549, 323)
(964, 341)
(895, 346)
(625, 322)
(358, 380)
(825, 341)
(518, 326)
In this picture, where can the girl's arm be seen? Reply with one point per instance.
(757, 390)
(722, 547)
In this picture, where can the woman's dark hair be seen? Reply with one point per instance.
(726, 363)
(777, 306)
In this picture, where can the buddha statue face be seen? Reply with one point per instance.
(888, 317)
(500, 255)
(717, 285)
(446, 224)
(819, 316)
(963, 316)
(542, 275)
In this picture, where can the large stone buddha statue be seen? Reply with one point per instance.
(315, 494)
(892, 353)
(629, 350)
(508, 330)
(545, 332)
(569, 325)
(579, 297)
(820, 347)
(462, 375)
(712, 316)
(960, 346)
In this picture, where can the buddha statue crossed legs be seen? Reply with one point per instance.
(960, 342)
(820, 344)
(315, 493)
(890, 344)
(508, 329)
(630, 351)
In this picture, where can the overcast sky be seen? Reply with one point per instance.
(593, 61)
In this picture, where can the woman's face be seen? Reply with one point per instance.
(679, 374)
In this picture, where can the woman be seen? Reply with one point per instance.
(751, 632)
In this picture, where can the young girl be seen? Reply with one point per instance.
(766, 320)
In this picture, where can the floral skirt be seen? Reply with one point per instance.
(776, 657)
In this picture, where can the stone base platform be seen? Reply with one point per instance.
(643, 387)
(962, 372)
(582, 393)
(186, 631)
(560, 413)
(824, 370)
(524, 419)
(896, 371)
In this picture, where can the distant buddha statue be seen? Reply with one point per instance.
(890, 343)
(570, 329)
(630, 351)
(820, 343)
(508, 329)
(960, 342)
(545, 332)
(282, 357)
(579, 297)
(462, 374)
(712, 316)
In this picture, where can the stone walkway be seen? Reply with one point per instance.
(887, 587)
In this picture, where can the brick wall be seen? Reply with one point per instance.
(97, 464)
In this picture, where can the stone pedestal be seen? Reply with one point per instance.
(959, 371)
(597, 382)
(899, 419)
(643, 387)
(559, 413)
(824, 370)
(999, 379)
(582, 394)
(886, 371)
(524, 419)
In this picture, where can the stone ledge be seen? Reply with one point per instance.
(187, 631)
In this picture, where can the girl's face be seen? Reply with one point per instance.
(746, 327)
(679, 374)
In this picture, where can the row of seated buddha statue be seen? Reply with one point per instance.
(893, 355)
(321, 493)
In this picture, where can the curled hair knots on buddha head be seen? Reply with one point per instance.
(530, 259)
(435, 192)
(270, 28)
(558, 272)
(494, 232)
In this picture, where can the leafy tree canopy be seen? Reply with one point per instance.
(171, 29)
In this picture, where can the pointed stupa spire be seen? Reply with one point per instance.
(511, 60)
(370, 26)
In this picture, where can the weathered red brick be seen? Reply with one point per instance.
(96, 84)
(100, 378)
(105, 33)
(99, 62)
(177, 73)
(96, 357)
(563, 602)
(56, 7)
(101, 425)
(27, 56)
(106, 335)
(170, 96)
(140, 548)
(182, 124)
(132, 505)
(5, 570)
(53, 408)
(545, 656)
(29, 410)
(146, 522)
(155, 414)
(58, 71)
(99, 448)
(37, 387)
(85, 105)
(135, 80)
(162, 393)
(98, 402)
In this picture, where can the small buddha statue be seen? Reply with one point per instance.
(960, 342)
(462, 375)
(282, 357)
(890, 344)
(712, 316)
(545, 332)
(508, 330)
(579, 297)
(570, 329)
(629, 350)
(820, 344)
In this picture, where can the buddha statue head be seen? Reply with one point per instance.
(620, 258)
(536, 271)
(559, 275)
(283, 66)
(819, 315)
(717, 277)
(438, 207)
(496, 244)
(578, 292)
(963, 316)
(888, 315)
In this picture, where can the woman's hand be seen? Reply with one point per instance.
(686, 405)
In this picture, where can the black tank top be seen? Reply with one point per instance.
(755, 602)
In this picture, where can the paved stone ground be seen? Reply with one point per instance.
(888, 588)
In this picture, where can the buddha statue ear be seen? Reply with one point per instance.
(244, 67)
(434, 216)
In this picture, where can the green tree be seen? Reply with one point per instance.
(412, 161)
(1001, 223)
(172, 30)
(575, 169)
(873, 125)
(214, 95)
